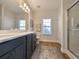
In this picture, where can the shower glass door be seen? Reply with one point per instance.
(73, 29)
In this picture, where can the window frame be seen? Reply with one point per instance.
(22, 26)
(46, 26)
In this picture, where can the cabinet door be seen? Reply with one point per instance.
(19, 52)
(29, 50)
(15, 49)
(33, 42)
(7, 56)
(33, 38)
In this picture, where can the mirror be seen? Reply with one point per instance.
(12, 16)
(73, 29)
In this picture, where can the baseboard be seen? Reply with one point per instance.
(52, 44)
(66, 56)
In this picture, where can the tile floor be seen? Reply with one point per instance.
(46, 52)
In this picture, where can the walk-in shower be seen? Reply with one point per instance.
(73, 29)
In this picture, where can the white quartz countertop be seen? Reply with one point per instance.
(6, 36)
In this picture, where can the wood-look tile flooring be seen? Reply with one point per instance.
(44, 51)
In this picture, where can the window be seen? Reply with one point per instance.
(46, 26)
(22, 24)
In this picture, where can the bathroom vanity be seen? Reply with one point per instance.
(17, 46)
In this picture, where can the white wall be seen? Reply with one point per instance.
(60, 23)
(38, 16)
(0, 15)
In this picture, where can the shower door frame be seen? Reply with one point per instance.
(68, 44)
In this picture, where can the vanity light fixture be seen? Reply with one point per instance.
(24, 6)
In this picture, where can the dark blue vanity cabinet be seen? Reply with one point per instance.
(33, 42)
(13, 49)
(31, 45)
(18, 48)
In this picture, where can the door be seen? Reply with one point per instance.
(73, 29)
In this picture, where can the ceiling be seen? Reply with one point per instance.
(44, 5)
(36, 5)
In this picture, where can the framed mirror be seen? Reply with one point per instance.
(73, 29)
(12, 17)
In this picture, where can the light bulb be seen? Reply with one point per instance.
(26, 11)
(29, 10)
(24, 4)
(26, 7)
